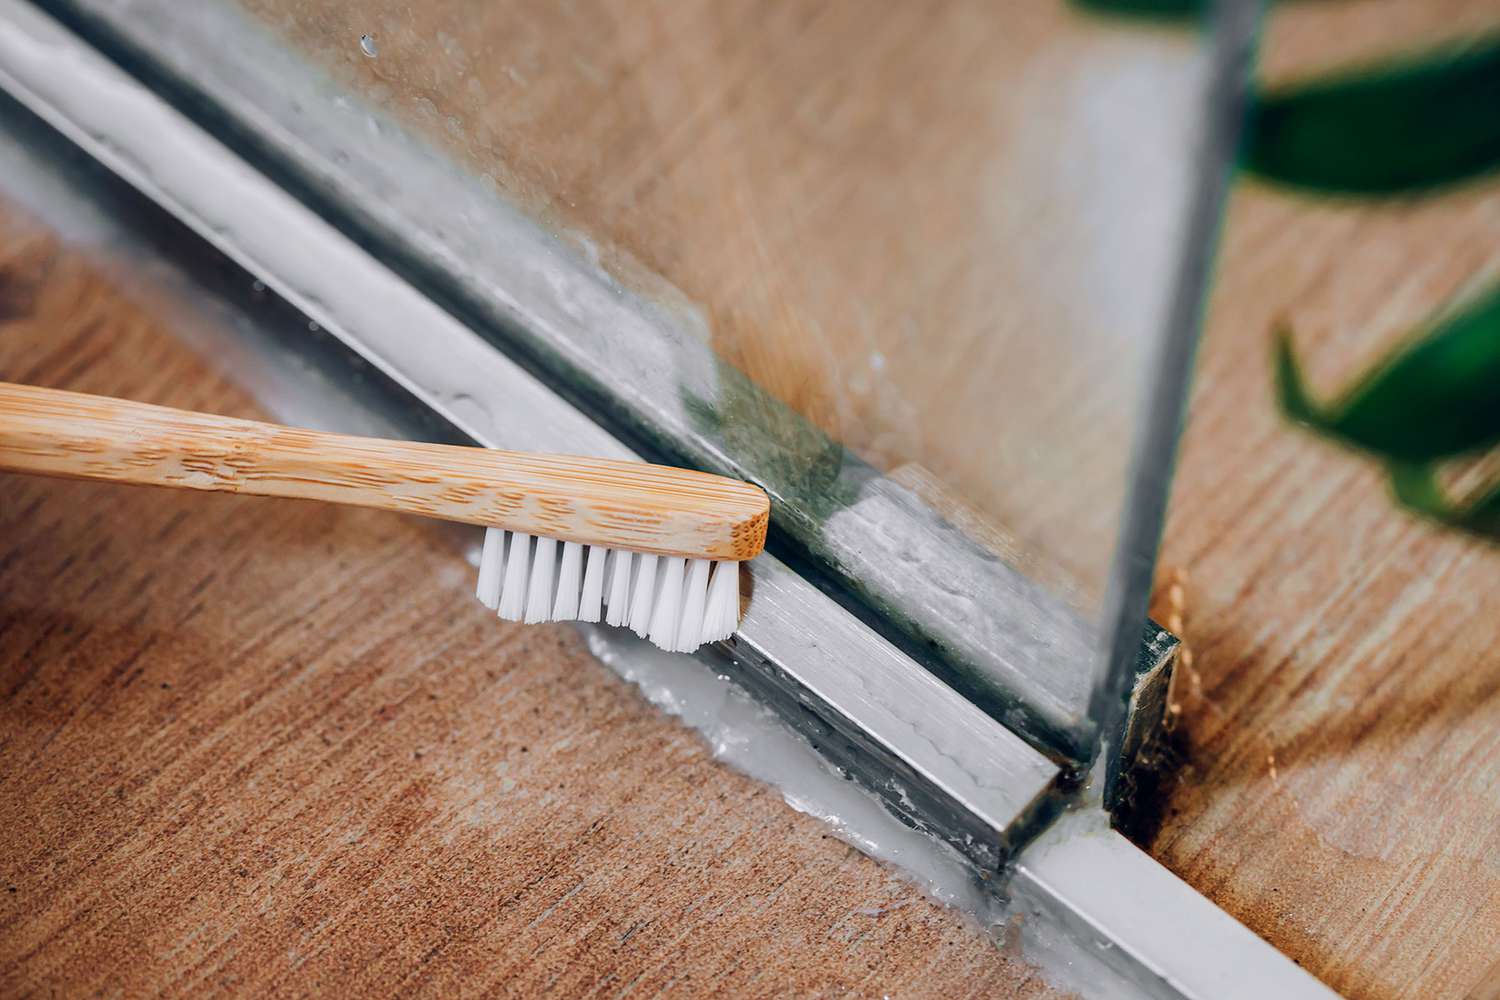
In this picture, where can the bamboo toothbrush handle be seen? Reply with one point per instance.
(627, 505)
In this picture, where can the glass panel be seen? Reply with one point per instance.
(942, 235)
(934, 254)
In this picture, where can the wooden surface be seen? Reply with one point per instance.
(595, 501)
(268, 747)
(1342, 702)
(1341, 710)
(1340, 707)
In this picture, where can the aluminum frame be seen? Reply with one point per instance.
(827, 672)
(1112, 902)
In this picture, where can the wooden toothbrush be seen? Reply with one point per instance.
(650, 547)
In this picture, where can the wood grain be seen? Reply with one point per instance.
(1340, 697)
(1339, 703)
(276, 748)
(594, 501)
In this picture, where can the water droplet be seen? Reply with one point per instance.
(367, 46)
(313, 325)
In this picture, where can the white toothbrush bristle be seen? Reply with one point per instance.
(722, 615)
(666, 610)
(643, 593)
(517, 568)
(593, 585)
(540, 581)
(694, 598)
(569, 579)
(678, 603)
(491, 565)
(619, 587)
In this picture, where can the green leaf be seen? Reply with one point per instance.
(1155, 10)
(1165, 10)
(1401, 127)
(1416, 488)
(1438, 396)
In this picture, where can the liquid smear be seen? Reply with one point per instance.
(751, 738)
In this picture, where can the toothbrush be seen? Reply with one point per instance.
(651, 548)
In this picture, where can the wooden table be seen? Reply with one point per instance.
(1341, 793)
(268, 746)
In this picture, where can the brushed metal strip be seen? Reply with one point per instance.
(986, 785)
(1115, 903)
